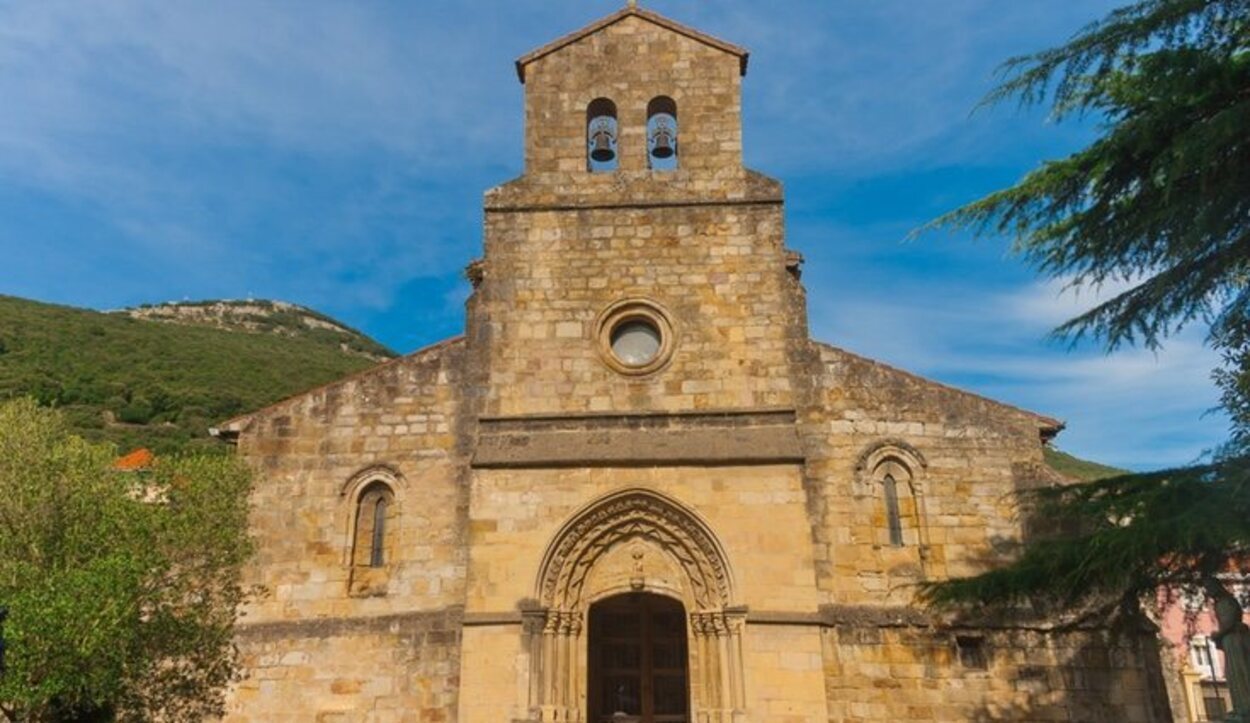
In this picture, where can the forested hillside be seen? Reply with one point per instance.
(1078, 468)
(145, 383)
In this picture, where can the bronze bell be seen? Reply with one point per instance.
(601, 139)
(662, 145)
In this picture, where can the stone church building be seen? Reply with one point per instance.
(636, 490)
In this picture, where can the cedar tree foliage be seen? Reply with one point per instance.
(1125, 539)
(122, 587)
(1160, 201)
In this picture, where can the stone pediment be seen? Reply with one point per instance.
(631, 12)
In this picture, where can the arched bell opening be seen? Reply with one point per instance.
(638, 659)
(602, 134)
(662, 134)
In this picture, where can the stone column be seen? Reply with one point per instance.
(717, 640)
(555, 678)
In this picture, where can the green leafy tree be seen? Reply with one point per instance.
(122, 587)
(1160, 202)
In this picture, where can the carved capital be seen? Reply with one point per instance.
(710, 624)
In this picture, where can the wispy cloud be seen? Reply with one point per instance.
(1133, 407)
(335, 154)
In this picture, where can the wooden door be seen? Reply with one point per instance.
(638, 661)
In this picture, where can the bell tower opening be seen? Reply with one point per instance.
(639, 669)
(662, 134)
(601, 136)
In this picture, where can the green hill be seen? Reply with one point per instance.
(266, 317)
(1078, 468)
(146, 383)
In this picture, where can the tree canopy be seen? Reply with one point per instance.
(122, 586)
(1160, 201)
(1118, 541)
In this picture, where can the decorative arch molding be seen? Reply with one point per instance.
(626, 515)
(887, 450)
(368, 544)
(555, 628)
(385, 473)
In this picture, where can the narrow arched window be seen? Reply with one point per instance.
(377, 554)
(662, 134)
(601, 136)
(374, 512)
(892, 515)
(897, 518)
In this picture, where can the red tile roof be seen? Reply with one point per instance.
(140, 459)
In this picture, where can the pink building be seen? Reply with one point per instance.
(1198, 679)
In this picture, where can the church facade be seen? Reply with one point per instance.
(636, 490)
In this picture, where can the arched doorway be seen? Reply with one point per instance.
(635, 545)
(639, 670)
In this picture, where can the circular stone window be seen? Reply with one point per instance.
(635, 337)
(636, 342)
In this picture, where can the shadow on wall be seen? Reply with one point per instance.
(1090, 676)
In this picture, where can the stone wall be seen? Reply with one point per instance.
(966, 456)
(315, 640)
(391, 669)
(755, 513)
(920, 674)
(717, 270)
(705, 82)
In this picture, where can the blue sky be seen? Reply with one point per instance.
(334, 154)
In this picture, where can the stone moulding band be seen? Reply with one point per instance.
(638, 205)
(709, 447)
(752, 438)
(447, 620)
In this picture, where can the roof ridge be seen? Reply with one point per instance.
(631, 10)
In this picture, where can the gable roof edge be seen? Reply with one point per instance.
(566, 40)
(229, 430)
(1048, 426)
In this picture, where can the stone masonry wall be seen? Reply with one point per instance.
(718, 270)
(967, 456)
(756, 513)
(393, 669)
(904, 674)
(631, 62)
(311, 644)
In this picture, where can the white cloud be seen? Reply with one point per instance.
(1133, 407)
(1054, 301)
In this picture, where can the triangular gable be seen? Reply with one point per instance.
(618, 16)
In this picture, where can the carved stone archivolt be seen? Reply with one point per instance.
(632, 515)
(631, 530)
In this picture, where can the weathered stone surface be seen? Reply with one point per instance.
(745, 477)
(705, 439)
